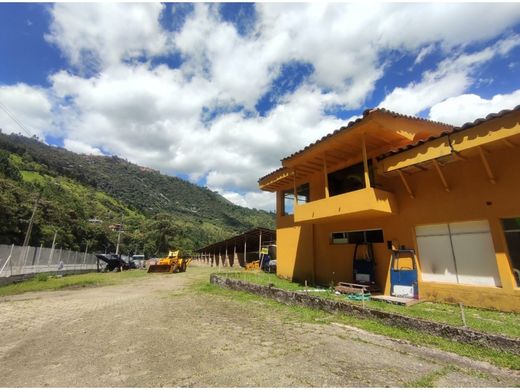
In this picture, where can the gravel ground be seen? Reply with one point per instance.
(157, 331)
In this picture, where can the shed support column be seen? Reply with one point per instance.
(408, 189)
(441, 175)
(260, 246)
(226, 260)
(294, 190)
(326, 176)
(234, 254)
(487, 167)
(245, 251)
(365, 162)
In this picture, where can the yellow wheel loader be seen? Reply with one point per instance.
(171, 263)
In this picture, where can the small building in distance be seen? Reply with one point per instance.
(444, 199)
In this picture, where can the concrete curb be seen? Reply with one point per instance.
(4, 281)
(498, 342)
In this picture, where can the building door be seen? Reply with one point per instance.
(459, 252)
(512, 233)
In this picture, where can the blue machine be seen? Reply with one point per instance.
(403, 281)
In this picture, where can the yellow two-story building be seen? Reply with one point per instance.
(432, 209)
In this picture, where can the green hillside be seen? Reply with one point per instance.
(159, 211)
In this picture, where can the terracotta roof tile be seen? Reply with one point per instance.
(348, 127)
(465, 126)
(366, 113)
(271, 173)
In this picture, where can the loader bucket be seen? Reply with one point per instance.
(161, 268)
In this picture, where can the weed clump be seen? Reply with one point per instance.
(42, 277)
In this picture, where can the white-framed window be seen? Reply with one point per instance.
(357, 236)
(458, 252)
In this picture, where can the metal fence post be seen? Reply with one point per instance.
(8, 261)
(39, 255)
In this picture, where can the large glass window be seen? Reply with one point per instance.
(349, 179)
(512, 232)
(302, 192)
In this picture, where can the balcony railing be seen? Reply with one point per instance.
(367, 202)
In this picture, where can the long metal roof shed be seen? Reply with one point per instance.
(237, 248)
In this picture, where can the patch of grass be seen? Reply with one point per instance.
(489, 321)
(429, 379)
(42, 277)
(33, 177)
(294, 313)
(45, 282)
(264, 279)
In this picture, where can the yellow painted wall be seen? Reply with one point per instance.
(472, 197)
(294, 250)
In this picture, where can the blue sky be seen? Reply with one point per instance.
(219, 93)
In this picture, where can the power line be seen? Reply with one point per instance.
(13, 117)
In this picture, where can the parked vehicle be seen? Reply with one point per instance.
(170, 263)
(114, 262)
(268, 258)
(139, 261)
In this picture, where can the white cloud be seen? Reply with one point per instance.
(451, 77)
(259, 200)
(29, 105)
(423, 53)
(106, 33)
(80, 147)
(458, 110)
(157, 116)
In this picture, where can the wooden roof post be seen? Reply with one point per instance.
(487, 167)
(295, 191)
(326, 176)
(441, 175)
(406, 185)
(365, 161)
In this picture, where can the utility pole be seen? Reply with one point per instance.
(25, 251)
(119, 235)
(29, 228)
(52, 249)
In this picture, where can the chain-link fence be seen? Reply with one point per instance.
(18, 260)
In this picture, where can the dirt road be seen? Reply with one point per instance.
(158, 331)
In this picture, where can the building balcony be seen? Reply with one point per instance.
(364, 203)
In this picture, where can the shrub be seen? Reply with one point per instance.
(42, 277)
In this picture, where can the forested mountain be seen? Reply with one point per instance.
(83, 196)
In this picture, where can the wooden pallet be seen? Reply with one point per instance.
(353, 288)
(396, 300)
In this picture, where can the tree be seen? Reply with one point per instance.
(7, 168)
